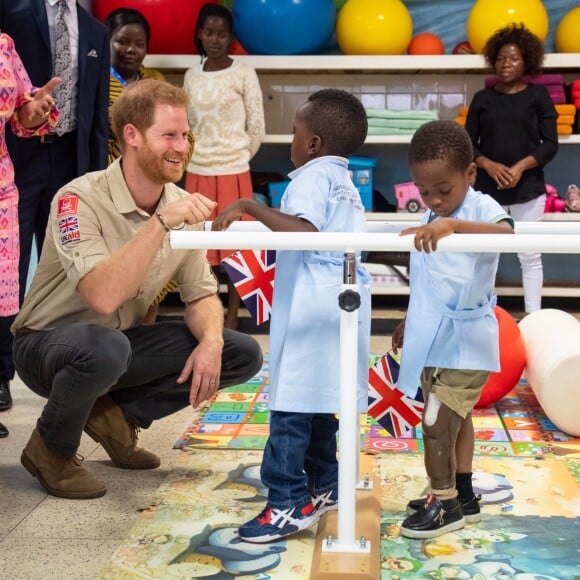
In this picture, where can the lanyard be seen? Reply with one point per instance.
(119, 77)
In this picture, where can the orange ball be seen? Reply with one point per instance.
(512, 360)
(426, 43)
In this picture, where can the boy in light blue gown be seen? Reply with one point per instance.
(451, 333)
(300, 467)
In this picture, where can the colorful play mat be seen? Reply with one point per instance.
(526, 471)
(237, 418)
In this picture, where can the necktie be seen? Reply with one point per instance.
(63, 69)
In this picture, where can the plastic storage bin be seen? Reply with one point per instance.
(361, 171)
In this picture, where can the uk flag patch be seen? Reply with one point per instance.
(68, 219)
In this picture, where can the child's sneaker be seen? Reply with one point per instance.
(470, 508)
(433, 519)
(326, 502)
(272, 524)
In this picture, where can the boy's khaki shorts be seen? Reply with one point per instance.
(457, 389)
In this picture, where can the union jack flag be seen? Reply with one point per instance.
(392, 409)
(252, 274)
(68, 224)
(68, 229)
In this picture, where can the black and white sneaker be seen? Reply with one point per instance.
(470, 508)
(433, 519)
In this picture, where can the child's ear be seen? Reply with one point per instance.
(471, 174)
(314, 145)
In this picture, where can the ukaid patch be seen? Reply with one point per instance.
(68, 219)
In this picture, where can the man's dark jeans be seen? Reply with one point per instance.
(74, 365)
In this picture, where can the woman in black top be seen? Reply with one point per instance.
(513, 129)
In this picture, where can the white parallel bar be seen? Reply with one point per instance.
(560, 228)
(393, 227)
(259, 240)
(348, 425)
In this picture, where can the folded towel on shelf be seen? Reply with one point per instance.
(402, 114)
(396, 123)
(557, 93)
(564, 129)
(567, 109)
(389, 131)
(565, 119)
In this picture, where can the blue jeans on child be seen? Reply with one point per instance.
(300, 458)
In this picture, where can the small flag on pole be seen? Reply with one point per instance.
(252, 274)
(392, 409)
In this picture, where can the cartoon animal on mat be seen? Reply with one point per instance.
(217, 553)
(482, 569)
(246, 478)
(494, 488)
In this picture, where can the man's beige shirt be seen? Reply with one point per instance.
(91, 218)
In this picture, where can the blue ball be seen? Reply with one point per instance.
(284, 26)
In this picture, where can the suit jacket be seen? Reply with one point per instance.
(26, 22)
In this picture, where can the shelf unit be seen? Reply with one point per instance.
(368, 64)
(179, 63)
(566, 64)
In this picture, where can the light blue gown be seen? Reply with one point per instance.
(450, 322)
(305, 324)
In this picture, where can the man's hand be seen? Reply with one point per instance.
(193, 209)
(203, 366)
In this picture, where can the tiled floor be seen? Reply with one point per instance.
(50, 538)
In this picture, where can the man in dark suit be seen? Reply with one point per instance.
(44, 164)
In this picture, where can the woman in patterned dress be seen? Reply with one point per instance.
(30, 112)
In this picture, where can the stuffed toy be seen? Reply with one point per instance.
(573, 198)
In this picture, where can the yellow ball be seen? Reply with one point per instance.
(488, 16)
(374, 27)
(568, 32)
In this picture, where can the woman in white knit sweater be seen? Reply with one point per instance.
(226, 115)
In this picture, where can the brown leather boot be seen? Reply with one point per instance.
(108, 426)
(60, 476)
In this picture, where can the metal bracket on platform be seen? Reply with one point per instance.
(363, 546)
(365, 484)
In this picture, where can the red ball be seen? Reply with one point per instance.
(426, 43)
(237, 48)
(463, 48)
(172, 22)
(512, 360)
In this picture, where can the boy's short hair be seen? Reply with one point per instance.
(446, 140)
(339, 119)
(136, 104)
